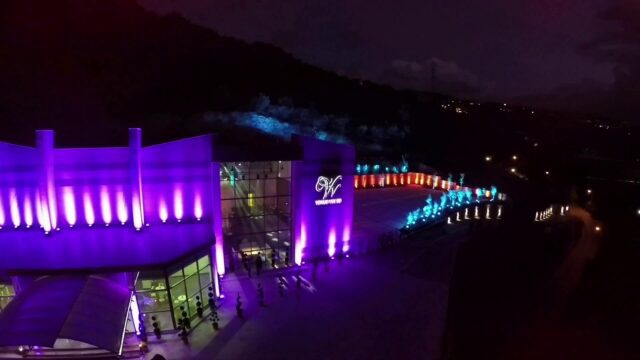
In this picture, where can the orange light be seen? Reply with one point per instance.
(372, 180)
(428, 180)
(364, 181)
(388, 179)
(355, 181)
(402, 179)
(395, 180)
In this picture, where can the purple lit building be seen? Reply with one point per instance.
(158, 225)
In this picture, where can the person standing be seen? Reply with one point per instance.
(259, 264)
(246, 263)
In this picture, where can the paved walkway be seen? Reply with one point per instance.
(381, 306)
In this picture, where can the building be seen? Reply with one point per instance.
(150, 229)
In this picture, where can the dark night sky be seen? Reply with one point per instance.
(500, 48)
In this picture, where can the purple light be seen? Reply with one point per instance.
(332, 242)
(89, 215)
(301, 243)
(135, 313)
(2, 216)
(105, 206)
(346, 236)
(122, 207)
(15, 212)
(197, 206)
(163, 212)
(219, 259)
(137, 213)
(69, 206)
(42, 214)
(178, 206)
(28, 211)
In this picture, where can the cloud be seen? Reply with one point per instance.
(435, 74)
(618, 46)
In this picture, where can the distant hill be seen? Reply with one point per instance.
(94, 66)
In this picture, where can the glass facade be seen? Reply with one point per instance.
(183, 285)
(6, 295)
(256, 209)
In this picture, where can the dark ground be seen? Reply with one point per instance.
(548, 291)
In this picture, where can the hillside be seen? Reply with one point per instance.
(91, 68)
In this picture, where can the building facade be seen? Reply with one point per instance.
(169, 219)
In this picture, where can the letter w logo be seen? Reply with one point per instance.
(328, 185)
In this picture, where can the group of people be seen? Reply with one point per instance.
(259, 262)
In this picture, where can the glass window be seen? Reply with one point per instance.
(271, 223)
(152, 301)
(178, 312)
(284, 169)
(203, 262)
(163, 319)
(193, 285)
(178, 293)
(228, 208)
(284, 237)
(257, 188)
(227, 190)
(270, 187)
(284, 205)
(190, 269)
(6, 290)
(176, 277)
(193, 305)
(271, 205)
(262, 206)
(284, 186)
(205, 278)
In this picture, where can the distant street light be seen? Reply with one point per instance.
(513, 170)
(597, 228)
(515, 157)
(638, 212)
(547, 172)
(589, 191)
(488, 158)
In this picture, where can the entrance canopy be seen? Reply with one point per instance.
(89, 309)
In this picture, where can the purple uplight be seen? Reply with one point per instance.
(301, 243)
(42, 213)
(89, 214)
(105, 206)
(332, 242)
(178, 205)
(15, 211)
(69, 206)
(28, 211)
(2, 216)
(197, 206)
(122, 207)
(163, 212)
(137, 213)
(346, 236)
(219, 259)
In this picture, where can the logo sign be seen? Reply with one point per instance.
(328, 187)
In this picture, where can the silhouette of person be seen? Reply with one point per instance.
(259, 264)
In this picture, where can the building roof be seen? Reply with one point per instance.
(89, 309)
